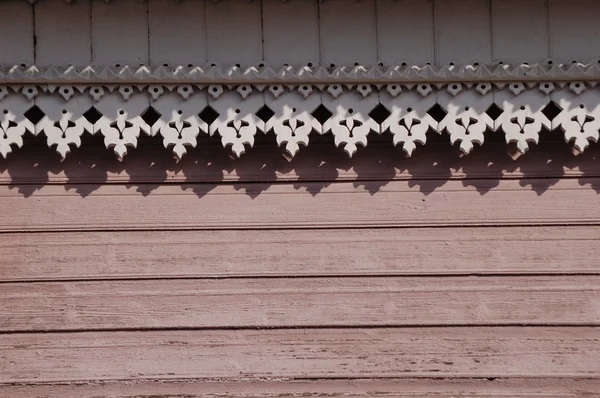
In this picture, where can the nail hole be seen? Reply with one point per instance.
(179, 112)
(64, 111)
(408, 109)
(121, 112)
(237, 111)
(350, 110)
(522, 108)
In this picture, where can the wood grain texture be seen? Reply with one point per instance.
(240, 206)
(336, 252)
(306, 302)
(302, 353)
(405, 388)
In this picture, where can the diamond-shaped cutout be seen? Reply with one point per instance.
(150, 116)
(265, 113)
(551, 110)
(437, 112)
(92, 115)
(34, 114)
(494, 111)
(322, 114)
(379, 113)
(208, 115)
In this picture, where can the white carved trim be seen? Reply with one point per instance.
(179, 113)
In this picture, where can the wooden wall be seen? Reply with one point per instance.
(438, 275)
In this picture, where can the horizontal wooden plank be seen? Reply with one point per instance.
(305, 302)
(311, 205)
(151, 163)
(303, 353)
(405, 388)
(329, 252)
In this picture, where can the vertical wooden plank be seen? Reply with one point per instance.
(462, 31)
(519, 31)
(119, 32)
(67, 42)
(16, 32)
(574, 29)
(234, 32)
(290, 25)
(405, 31)
(348, 32)
(463, 36)
(177, 32)
(59, 44)
(286, 25)
(520, 34)
(234, 36)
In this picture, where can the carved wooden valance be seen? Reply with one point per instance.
(236, 103)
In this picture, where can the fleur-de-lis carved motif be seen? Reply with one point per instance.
(293, 133)
(119, 135)
(11, 133)
(350, 132)
(63, 133)
(179, 134)
(237, 133)
(581, 128)
(468, 129)
(409, 131)
(522, 129)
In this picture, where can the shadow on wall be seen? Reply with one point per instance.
(315, 167)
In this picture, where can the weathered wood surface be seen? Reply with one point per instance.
(305, 302)
(305, 353)
(371, 204)
(405, 388)
(335, 252)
